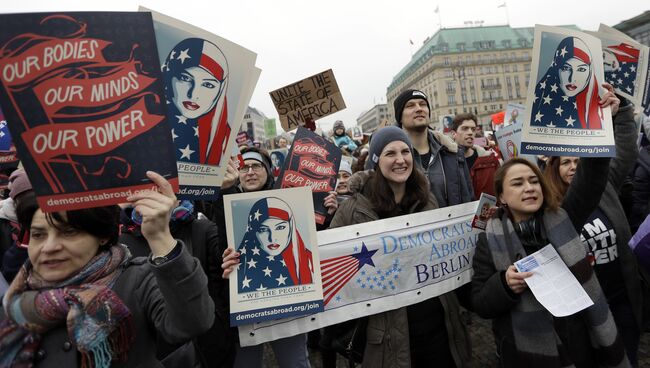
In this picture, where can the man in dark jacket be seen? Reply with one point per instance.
(482, 164)
(443, 163)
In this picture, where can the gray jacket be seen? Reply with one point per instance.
(387, 335)
(170, 300)
(448, 174)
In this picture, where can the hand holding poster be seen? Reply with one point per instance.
(563, 114)
(275, 234)
(208, 84)
(313, 162)
(382, 265)
(311, 98)
(82, 95)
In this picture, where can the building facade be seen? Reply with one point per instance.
(253, 124)
(475, 69)
(637, 27)
(370, 120)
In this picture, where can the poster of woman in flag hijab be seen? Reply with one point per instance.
(208, 82)
(563, 97)
(279, 271)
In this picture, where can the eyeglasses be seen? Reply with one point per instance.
(256, 168)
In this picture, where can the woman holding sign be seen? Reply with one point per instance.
(430, 330)
(82, 301)
(606, 232)
(530, 218)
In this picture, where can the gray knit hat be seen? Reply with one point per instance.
(380, 139)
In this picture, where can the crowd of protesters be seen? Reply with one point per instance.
(144, 284)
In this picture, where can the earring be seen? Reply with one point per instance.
(103, 242)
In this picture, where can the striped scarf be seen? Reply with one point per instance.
(532, 325)
(99, 324)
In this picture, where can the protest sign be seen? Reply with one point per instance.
(278, 158)
(446, 123)
(514, 113)
(279, 274)
(8, 157)
(563, 114)
(382, 265)
(311, 98)
(357, 133)
(645, 100)
(625, 65)
(83, 98)
(269, 128)
(313, 161)
(242, 138)
(509, 140)
(486, 205)
(208, 83)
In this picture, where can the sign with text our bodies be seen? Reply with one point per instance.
(82, 96)
(311, 98)
(378, 266)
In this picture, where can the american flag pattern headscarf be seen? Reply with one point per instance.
(552, 108)
(201, 140)
(258, 270)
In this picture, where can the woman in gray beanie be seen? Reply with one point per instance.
(415, 335)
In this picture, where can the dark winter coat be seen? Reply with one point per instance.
(447, 171)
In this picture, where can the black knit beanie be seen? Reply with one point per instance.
(403, 98)
(380, 139)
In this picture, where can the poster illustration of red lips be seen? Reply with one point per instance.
(82, 95)
(313, 162)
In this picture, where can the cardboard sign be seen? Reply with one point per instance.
(84, 101)
(563, 113)
(311, 98)
(313, 161)
(279, 271)
(209, 82)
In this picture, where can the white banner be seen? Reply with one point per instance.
(378, 266)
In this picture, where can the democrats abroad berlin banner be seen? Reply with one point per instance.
(382, 265)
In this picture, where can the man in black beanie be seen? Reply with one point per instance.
(439, 156)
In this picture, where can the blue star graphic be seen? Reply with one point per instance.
(365, 256)
(338, 298)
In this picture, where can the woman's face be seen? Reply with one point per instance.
(610, 62)
(568, 166)
(195, 92)
(574, 76)
(275, 160)
(58, 254)
(522, 192)
(274, 235)
(396, 162)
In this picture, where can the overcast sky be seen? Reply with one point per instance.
(365, 42)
